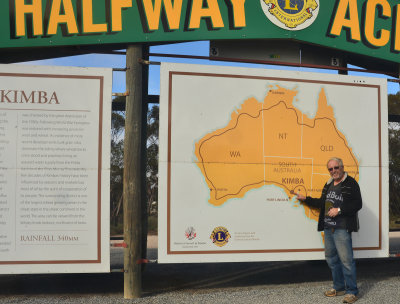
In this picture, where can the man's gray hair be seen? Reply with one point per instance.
(339, 160)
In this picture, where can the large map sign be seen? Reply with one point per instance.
(237, 144)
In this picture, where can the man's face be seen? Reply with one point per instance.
(335, 170)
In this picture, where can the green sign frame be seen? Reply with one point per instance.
(365, 27)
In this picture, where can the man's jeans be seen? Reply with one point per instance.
(339, 256)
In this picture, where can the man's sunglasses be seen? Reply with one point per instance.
(331, 169)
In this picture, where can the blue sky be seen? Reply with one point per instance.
(188, 48)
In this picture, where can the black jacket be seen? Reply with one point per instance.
(352, 203)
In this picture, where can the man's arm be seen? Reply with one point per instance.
(310, 201)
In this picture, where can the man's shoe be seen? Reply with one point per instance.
(334, 293)
(350, 298)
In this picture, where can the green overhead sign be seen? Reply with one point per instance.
(367, 27)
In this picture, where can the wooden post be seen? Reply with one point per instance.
(145, 96)
(133, 175)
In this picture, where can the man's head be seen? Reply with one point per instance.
(335, 168)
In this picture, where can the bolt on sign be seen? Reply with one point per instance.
(367, 27)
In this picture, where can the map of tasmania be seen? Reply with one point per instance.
(273, 143)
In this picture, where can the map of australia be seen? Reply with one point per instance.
(273, 143)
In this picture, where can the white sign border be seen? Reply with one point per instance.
(102, 262)
(166, 255)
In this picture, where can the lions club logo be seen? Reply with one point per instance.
(291, 15)
(220, 236)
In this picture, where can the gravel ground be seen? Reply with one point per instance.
(372, 291)
(260, 282)
(267, 282)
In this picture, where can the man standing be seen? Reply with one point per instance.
(339, 203)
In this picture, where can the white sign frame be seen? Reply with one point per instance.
(184, 121)
(60, 222)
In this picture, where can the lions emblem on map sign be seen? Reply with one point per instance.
(220, 236)
(291, 14)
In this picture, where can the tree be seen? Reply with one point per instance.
(394, 103)
(117, 164)
(394, 171)
(152, 158)
(394, 158)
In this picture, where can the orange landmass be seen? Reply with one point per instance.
(273, 143)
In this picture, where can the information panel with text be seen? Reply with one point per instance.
(54, 169)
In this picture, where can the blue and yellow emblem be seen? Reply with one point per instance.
(220, 236)
(291, 14)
